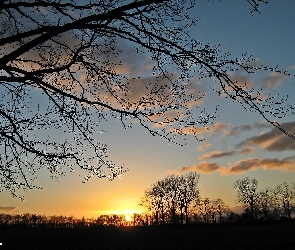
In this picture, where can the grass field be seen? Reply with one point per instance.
(230, 237)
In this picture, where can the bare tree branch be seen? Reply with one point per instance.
(69, 55)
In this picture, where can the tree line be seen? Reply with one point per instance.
(28, 220)
(266, 204)
(176, 200)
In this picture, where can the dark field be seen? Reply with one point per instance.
(227, 237)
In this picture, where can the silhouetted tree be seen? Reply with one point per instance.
(203, 207)
(265, 202)
(220, 207)
(285, 196)
(63, 70)
(247, 193)
(188, 192)
(211, 210)
(172, 194)
(153, 201)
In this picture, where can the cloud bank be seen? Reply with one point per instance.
(274, 140)
(239, 167)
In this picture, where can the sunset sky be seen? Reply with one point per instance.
(239, 144)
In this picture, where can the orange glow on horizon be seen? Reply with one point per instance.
(125, 212)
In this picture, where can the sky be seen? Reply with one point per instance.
(239, 144)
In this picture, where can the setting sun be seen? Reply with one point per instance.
(127, 217)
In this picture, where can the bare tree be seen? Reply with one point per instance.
(285, 196)
(209, 209)
(203, 207)
(265, 202)
(188, 192)
(172, 192)
(247, 193)
(61, 72)
(154, 201)
(172, 195)
(220, 207)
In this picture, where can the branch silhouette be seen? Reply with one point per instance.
(69, 55)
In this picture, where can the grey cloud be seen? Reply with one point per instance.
(262, 124)
(248, 150)
(274, 140)
(7, 209)
(203, 167)
(242, 81)
(273, 80)
(218, 127)
(216, 154)
(238, 129)
(286, 165)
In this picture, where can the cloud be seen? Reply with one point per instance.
(216, 154)
(262, 124)
(238, 129)
(203, 146)
(242, 166)
(273, 80)
(218, 127)
(242, 81)
(274, 140)
(204, 167)
(285, 165)
(134, 93)
(7, 209)
(222, 127)
(220, 154)
(248, 150)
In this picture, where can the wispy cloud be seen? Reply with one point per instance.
(216, 154)
(204, 167)
(238, 129)
(224, 128)
(285, 165)
(7, 209)
(242, 166)
(242, 81)
(248, 150)
(219, 154)
(273, 80)
(262, 124)
(247, 127)
(218, 127)
(203, 146)
(273, 140)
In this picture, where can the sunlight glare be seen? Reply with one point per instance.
(127, 217)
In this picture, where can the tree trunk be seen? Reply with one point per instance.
(181, 215)
(173, 216)
(252, 211)
(163, 216)
(220, 214)
(186, 214)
